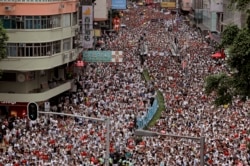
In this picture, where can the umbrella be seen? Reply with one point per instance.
(217, 55)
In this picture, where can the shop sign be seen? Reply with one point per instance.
(87, 27)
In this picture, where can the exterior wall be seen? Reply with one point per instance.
(32, 9)
(40, 35)
(35, 97)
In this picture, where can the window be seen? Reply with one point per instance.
(37, 22)
(28, 22)
(6, 20)
(66, 44)
(36, 49)
(31, 22)
(19, 21)
(55, 21)
(12, 50)
(46, 49)
(56, 47)
(74, 19)
(66, 20)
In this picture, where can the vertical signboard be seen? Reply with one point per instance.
(87, 27)
(119, 4)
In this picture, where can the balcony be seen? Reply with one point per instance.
(38, 63)
(36, 95)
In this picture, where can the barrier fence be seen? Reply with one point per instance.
(143, 121)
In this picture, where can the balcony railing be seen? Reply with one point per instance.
(37, 94)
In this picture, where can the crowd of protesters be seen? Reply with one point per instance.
(118, 91)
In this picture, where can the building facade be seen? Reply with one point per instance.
(207, 14)
(233, 16)
(42, 47)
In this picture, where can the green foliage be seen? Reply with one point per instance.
(3, 39)
(221, 85)
(145, 75)
(238, 83)
(160, 109)
(238, 43)
(239, 4)
(160, 99)
(239, 61)
(229, 34)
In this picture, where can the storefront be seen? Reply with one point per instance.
(17, 109)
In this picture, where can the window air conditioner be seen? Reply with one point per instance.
(61, 6)
(8, 8)
(19, 19)
(78, 4)
(6, 17)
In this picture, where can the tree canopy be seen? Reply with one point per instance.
(3, 39)
(240, 4)
(236, 83)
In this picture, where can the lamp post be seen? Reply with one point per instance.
(201, 139)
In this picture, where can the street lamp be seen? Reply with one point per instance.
(148, 133)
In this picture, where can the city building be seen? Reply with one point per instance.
(42, 47)
(232, 16)
(207, 14)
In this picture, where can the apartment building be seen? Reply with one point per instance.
(42, 47)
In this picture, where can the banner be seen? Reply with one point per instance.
(102, 56)
(87, 27)
(116, 23)
(119, 4)
(141, 122)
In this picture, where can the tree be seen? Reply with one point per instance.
(239, 4)
(236, 83)
(3, 39)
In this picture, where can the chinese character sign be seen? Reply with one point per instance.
(87, 27)
(102, 56)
